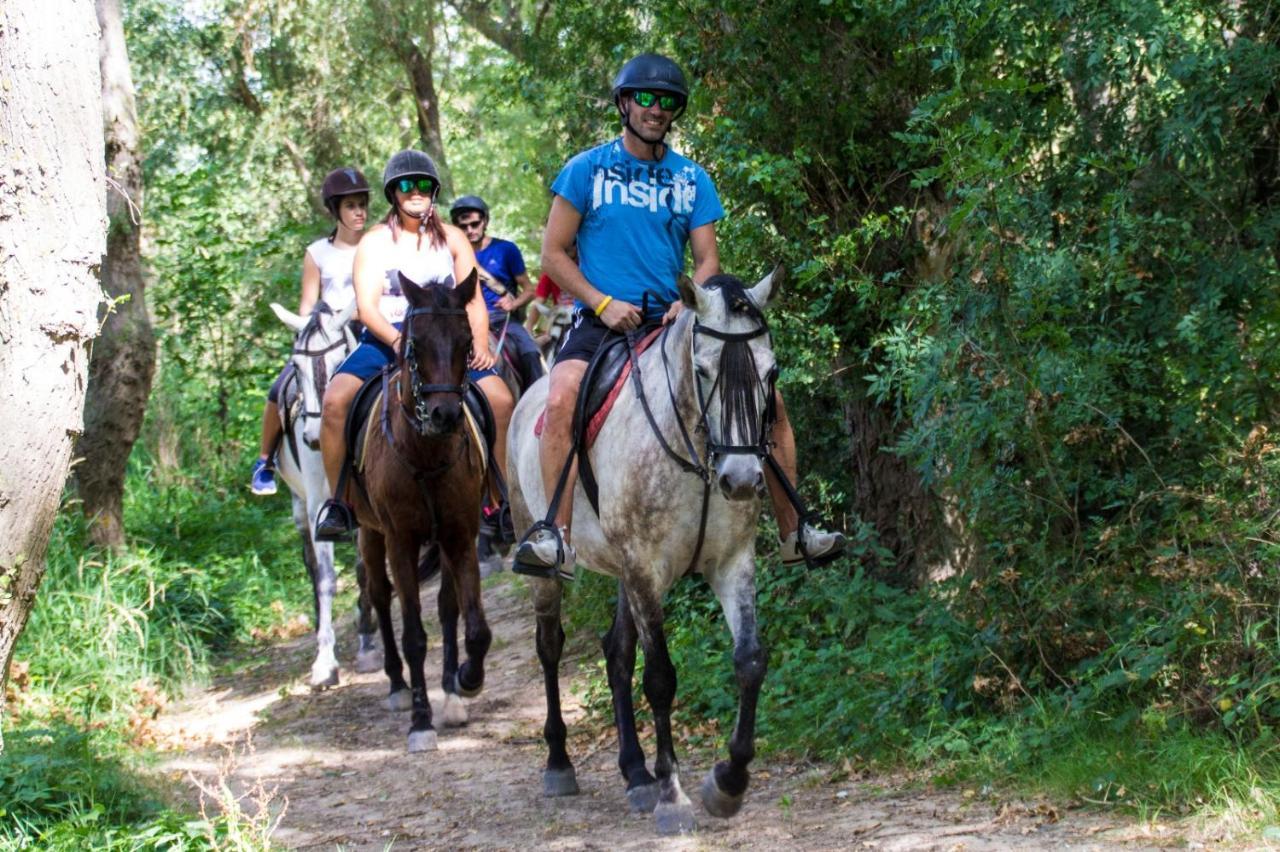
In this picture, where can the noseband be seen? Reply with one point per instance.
(419, 414)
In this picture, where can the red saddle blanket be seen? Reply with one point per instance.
(597, 419)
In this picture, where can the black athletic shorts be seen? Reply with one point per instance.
(582, 338)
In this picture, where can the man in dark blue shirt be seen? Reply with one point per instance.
(506, 284)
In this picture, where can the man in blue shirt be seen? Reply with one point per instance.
(631, 206)
(506, 284)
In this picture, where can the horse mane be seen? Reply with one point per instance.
(739, 407)
(313, 321)
(736, 298)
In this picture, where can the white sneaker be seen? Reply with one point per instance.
(542, 549)
(822, 546)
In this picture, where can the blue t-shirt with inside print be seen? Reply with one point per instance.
(503, 261)
(636, 219)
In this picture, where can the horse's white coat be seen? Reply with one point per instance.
(306, 478)
(650, 508)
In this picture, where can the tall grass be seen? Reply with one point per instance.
(112, 634)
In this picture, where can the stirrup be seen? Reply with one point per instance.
(335, 522)
(537, 569)
(811, 519)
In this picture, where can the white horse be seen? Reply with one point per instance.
(321, 343)
(712, 373)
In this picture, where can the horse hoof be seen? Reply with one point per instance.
(324, 678)
(422, 741)
(559, 782)
(643, 798)
(674, 818)
(462, 690)
(454, 714)
(717, 802)
(401, 699)
(369, 661)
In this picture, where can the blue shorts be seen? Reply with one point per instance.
(372, 355)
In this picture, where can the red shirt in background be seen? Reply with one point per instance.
(548, 288)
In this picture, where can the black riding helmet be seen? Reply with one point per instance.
(340, 182)
(408, 163)
(654, 72)
(466, 203)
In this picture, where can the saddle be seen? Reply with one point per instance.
(606, 374)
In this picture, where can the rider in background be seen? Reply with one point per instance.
(506, 288)
(631, 206)
(544, 310)
(411, 240)
(326, 274)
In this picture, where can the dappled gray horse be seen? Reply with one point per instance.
(321, 342)
(708, 380)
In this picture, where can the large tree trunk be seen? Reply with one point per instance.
(124, 356)
(52, 236)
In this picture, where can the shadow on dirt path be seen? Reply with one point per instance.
(337, 767)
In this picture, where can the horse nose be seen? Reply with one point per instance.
(445, 417)
(740, 487)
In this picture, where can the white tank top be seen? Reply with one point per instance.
(430, 265)
(335, 272)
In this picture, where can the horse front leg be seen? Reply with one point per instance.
(559, 778)
(726, 785)
(318, 557)
(620, 663)
(403, 553)
(373, 552)
(368, 656)
(476, 634)
(674, 812)
(454, 712)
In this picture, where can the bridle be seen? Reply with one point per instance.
(319, 372)
(419, 414)
(733, 404)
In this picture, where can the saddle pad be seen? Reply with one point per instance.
(598, 417)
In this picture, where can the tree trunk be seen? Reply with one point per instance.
(52, 236)
(124, 356)
(402, 42)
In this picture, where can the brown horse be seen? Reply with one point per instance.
(423, 480)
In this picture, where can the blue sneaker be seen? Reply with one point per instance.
(262, 481)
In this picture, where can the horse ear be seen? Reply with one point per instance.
(345, 315)
(414, 293)
(467, 289)
(767, 286)
(688, 294)
(288, 317)
(693, 296)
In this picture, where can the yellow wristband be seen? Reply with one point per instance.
(604, 303)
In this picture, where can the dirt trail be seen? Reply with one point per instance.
(337, 763)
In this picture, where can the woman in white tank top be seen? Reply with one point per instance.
(326, 275)
(413, 240)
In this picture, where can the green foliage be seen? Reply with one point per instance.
(63, 788)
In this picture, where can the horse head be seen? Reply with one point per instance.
(734, 373)
(434, 351)
(321, 342)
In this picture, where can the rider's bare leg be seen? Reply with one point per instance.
(557, 435)
(495, 390)
(333, 443)
(784, 451)
(271, 430)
